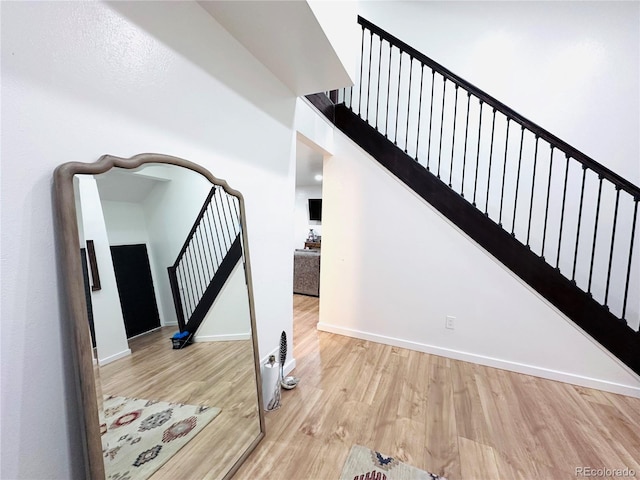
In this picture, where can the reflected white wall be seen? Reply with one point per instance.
(229, 317)
(127, 225)
(111, 337)
(170, 211)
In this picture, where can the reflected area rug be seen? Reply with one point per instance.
(365, 464)
(139, 436)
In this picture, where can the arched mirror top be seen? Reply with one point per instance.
(66, 171)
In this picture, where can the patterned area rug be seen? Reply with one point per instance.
(365, 464)
(139, 436)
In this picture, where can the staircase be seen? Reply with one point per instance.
(561, 221)
(210, 253)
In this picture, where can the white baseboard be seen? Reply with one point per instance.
(289, 366)
(549, 374)
(144, 333)
(222, 338)
(113, 358)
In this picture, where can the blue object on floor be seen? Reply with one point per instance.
(181, 339)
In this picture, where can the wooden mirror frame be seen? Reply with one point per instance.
(72, 271)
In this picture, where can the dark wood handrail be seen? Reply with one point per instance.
(554, 141)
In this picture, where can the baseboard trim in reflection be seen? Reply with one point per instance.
(222, 338)
(112, 358)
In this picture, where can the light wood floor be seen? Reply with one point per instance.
(453, 418)
(219, 374)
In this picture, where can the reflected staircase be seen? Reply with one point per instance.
(209, 255)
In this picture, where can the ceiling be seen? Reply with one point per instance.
(118, 185)
(134, 187)
(297, 42)
(127, 186)
(288, 39)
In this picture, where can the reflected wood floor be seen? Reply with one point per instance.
(219, 374)
(453, 418)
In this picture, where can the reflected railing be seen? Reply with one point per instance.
(211, 250)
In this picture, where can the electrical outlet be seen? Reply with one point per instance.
(450, 322)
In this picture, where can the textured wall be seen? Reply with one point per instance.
(81, 79)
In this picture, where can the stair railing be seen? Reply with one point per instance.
(574, 213)
(215, 231)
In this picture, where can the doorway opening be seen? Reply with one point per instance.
(135, 289)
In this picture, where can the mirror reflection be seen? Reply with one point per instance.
(169, 313)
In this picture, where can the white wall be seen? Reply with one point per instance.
(170, 210)
(315, 131)
(301, 215)
(127, 225)
(81, 79)
(303, 48)
(399, 284)
(551, 61)
(111, 337)
(571, 67)
(338, 19)
(229, 316)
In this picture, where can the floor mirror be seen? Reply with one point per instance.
(155, 257)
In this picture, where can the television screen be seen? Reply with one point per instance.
(315, 209)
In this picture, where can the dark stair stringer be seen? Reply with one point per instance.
(595, 319)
